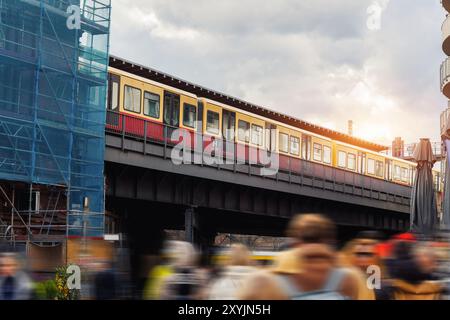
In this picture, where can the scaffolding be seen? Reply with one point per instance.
(52, 116)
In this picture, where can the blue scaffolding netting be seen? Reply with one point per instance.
(53, 78)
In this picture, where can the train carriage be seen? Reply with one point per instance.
(144, 108)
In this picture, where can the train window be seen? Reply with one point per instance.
(151, 105)
(326, 154)
(212, 122)
(379, 169)
(132, 99)
(295, 146)
(189, 115)
(351, 161)
(405, 175)
(371, 166)
(257, 135)
(284, 142)
(342, 159)
(317, 155)
(244, 131)
(115, 96)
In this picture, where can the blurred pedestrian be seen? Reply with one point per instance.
(309, 271)
(185, 282)
(360, 256)
(412, 270)
(105, 282)
(14, 282)
(234, 273)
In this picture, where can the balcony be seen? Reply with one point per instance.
(446, 36)
(444, 123)
(445, 77)
(446, 4)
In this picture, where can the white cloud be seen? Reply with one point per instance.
(315, 60)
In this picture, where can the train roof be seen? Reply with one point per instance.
(164, 78)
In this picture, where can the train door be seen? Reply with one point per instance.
(388, 171)
(113, 98)
(271, 137)
(200, 118)
(171, 109)
(362, 158)
(113, 92)
(228, 132)
(171, 114)
(228, 125)
(306, 147)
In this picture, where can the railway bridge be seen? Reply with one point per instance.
(145, 186)
(149, 186)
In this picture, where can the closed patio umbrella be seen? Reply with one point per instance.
(446, 200)
(423, 199)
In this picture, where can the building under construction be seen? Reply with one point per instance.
(53, 75)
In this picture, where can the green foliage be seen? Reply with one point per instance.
(46, 290)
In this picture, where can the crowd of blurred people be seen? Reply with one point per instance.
(311, 267)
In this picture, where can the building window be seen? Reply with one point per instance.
(212, 122)
(284, 142)
(317, 152)
(132, 100)
(351, 161)
(244, 131)
(295, 146)
(189, 115)
(151, 105)
(371, 166)
(257, 135)
(342, 159)
(326, 154)
(379, 169)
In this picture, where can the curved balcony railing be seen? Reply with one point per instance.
(446, 35)
(446, 4)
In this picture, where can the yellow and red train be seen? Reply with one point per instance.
(139, 98)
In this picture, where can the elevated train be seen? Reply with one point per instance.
(160, 105)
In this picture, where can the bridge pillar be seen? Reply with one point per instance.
(190, 224)
(198, 232)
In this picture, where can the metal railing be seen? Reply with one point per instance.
(444, 120)
(295, 170)
(445, 72)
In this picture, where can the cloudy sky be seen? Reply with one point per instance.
(318, 60)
